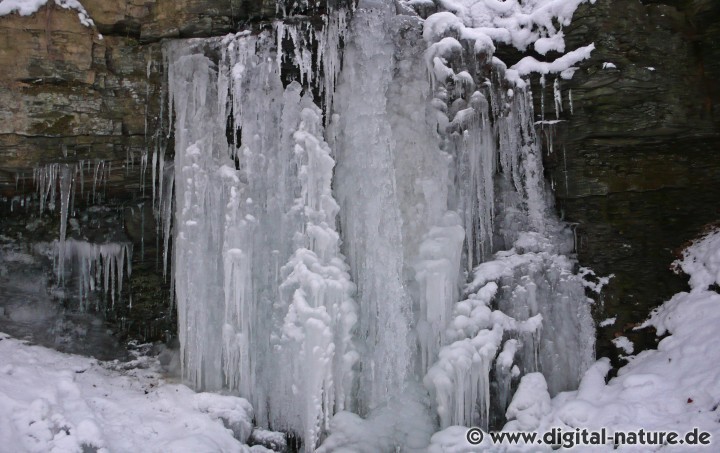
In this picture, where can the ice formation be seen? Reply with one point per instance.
(326, 228)
(95, 266)
(673, 388)
(256, 236)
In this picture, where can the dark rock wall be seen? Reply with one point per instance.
(66, 95)
(637, 166)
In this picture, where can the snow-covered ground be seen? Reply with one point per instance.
(56, 402)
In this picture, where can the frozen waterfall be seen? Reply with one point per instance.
(361, 222)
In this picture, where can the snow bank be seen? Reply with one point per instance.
(401, 424)
(57, 402)
(676, 387)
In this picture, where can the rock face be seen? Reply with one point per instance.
(68, 94)
(637, 164)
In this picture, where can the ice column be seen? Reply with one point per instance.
(371, 219)
(264, 296)
(317, 332)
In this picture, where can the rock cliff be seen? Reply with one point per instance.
(637, 164)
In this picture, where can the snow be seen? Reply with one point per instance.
(520, 24)
(530, 403)
(608, 65)
(672, 388)
(560, 65)
(591, 280)
(402, 420)
(624, 344)
(701, 260)
(30, 7)
(57, 402)
(22, 7)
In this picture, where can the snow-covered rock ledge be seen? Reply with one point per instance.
(535, 24)
(30, 7)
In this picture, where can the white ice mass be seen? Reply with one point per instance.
(323, 246)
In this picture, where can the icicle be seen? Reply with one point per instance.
(107, 178)
(317, 291)
(460, 379)
(542, 97)
(66, 186)
(166, 212)
(557, 95)
(141, 207)
(96, 174)
(46, 181)
(264, 297)
(565, 171)
(96, 267)
(366, 183)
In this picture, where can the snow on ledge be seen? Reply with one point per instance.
(30, 7)
(537, 24)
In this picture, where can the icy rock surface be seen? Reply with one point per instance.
(323, 247)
